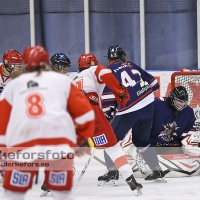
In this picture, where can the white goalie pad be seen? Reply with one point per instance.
(174, 165)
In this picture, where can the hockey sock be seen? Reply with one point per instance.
(150, 157)
(118, 157)
(109, 163)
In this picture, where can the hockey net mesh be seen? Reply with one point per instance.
(191, 81)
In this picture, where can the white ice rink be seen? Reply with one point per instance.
(187, 188)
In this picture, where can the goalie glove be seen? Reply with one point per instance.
(122, 97)
(191, 145)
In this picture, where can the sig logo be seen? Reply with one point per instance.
(100, 140)
(145, 86)
(143, 83)
(58, 178)
(20, 179)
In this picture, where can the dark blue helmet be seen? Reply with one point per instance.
(59, 61)
(116, 52)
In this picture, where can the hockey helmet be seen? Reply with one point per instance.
(60, 62)
(116, 52)
(179, 98)
(12, 60)
(35, 57)
(86, 61)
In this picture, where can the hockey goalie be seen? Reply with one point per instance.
(175, 134)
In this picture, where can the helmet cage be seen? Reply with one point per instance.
(179, 102)
(10, 67)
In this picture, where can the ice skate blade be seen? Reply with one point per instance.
(44, 194)
(137, 192)
(111, 183)
(160, 180)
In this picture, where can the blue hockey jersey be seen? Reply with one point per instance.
(141, 86)
(168, 129)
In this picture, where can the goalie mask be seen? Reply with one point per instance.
(12, 60)
(116, 52)
(179, 98)
(60, 62)
(86, 61)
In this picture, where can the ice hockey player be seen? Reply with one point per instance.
(12, 61)
(39, 117)
(173, 119)
(91, 80)
(60, 63)
(138, 112)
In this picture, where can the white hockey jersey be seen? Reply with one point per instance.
(95, 78)
(4, 79)
(39, 113)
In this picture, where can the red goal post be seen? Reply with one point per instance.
(191, 81)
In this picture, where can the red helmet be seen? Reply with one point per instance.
(11, 59)
(35, 57)
(87, 60)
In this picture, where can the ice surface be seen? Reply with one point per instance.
(187, 188)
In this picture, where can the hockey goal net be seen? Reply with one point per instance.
(191, 81)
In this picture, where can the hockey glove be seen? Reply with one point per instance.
(83, 147)
(110, 114)
(123, 97)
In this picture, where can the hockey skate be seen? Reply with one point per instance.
(45, 191)
(157, 175)
(135, 187)
(109, 179)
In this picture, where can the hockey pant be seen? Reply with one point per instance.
(140, 121)
(19, 177)
(103, 136)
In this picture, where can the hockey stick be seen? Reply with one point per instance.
(36, 178)
(99, 160)
(86, 166)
